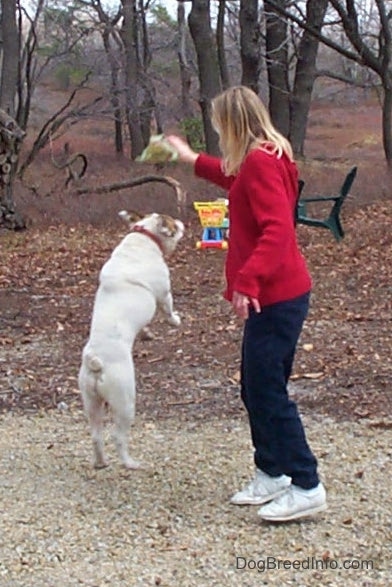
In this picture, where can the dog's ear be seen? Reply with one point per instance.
(180, 227)
(167, 225)
(130, 217)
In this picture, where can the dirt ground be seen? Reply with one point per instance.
(49, 274)
(171, 524)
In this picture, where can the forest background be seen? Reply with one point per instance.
(134, 69)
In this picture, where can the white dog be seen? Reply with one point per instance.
(132, 284)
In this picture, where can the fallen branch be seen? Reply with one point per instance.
(155, 360)
(185, 402)
(113, 187)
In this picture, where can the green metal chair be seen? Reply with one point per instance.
(332, 221)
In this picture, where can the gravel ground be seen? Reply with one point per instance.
(63, 523)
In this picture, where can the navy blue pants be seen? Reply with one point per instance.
(268, 350)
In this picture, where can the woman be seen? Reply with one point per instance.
(268, 285)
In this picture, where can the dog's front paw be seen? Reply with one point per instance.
(174, 319)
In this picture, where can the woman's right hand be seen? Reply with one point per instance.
(185, 153)
(242, 303)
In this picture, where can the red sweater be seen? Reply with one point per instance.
(263, 260)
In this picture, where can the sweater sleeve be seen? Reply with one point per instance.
(210, 168)
(269, 204)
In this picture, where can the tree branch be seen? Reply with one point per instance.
(54, 123)
(370, 60)
(113, 187)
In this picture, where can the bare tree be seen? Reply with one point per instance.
(67, 113)
(113, 47)
(250, 38)
(11, 138)
(11, 135)
(148, 107)
(22, 65)
(277, 57)
(290, 91)
(185, 69)
(305, 74)
(370, 47)
(209, 77)
(129, 36)
(220, 44)
(9, 70)
(29, 69)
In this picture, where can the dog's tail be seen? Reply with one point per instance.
(94, 363)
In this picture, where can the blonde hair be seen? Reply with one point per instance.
(243, 123)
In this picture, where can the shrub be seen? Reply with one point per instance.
(192, 128)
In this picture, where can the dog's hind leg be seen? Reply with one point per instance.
(94, 407)
(122, 424)
(122, 404)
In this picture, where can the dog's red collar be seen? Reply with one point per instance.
(151, 235)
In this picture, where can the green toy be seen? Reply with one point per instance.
(158, 151)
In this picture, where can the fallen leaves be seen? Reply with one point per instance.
(308, 347)
(344, 358)
(297, 376)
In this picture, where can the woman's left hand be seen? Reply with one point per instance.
(241, 304)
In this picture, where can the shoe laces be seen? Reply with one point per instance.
(251, 487)
(286, 498)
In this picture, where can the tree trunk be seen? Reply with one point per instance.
(220, 44)
(10, 64)
(305, 74)
(209, 78)
(277, 67)
(250, 43)
(185, 70)
(148, 106)
(148, 113)
(130, 41)
(387, 122)
(11, 137)
(114, 92)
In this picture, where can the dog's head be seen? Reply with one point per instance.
(165, 229)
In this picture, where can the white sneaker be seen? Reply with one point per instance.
(261, 489)
(295, 503)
